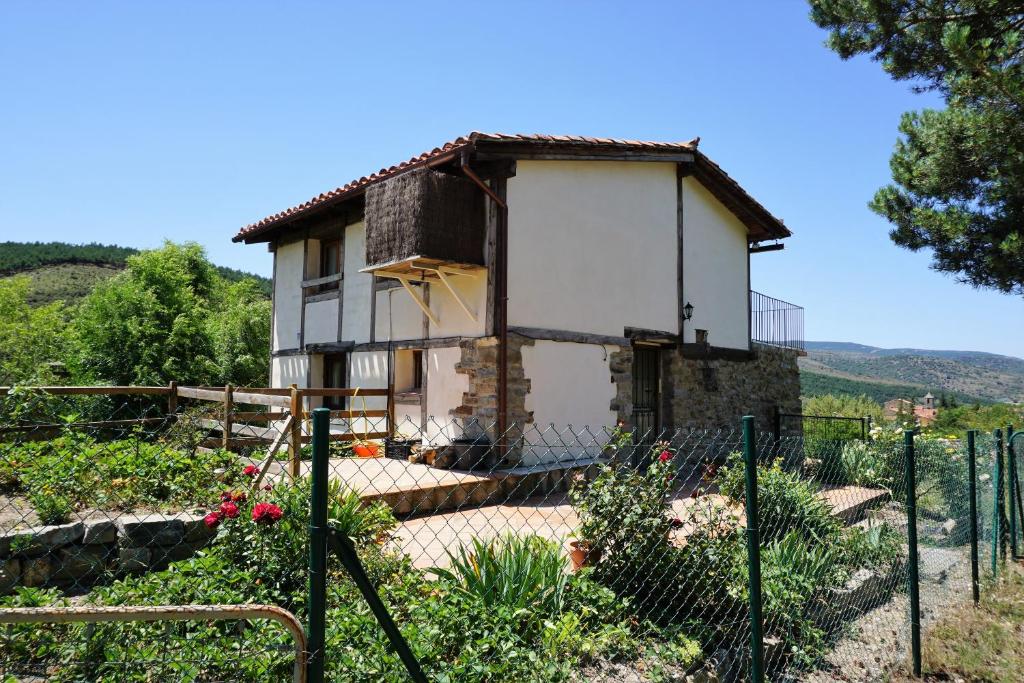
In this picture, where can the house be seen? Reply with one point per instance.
(924, 412)
(521, 281)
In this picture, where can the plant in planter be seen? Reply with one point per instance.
(623, 511)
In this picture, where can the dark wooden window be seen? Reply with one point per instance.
(417, 369)
(335, 377)
(330, 262)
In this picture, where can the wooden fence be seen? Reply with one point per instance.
(285, 410)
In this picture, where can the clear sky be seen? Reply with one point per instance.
(132, 122)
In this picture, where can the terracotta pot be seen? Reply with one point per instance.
(582, 555)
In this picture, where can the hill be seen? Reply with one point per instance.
(971, 376)
(69, 271)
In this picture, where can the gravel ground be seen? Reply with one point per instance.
(879, 641)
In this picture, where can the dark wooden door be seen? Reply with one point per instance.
(646, 394)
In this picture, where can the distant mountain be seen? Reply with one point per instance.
(69, 271)
(845, 367)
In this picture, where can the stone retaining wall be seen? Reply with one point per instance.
(80, 553)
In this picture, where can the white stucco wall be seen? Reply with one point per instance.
(453, 321)
(368, 370)
(356, 306)
(570, 384)
(444, 393)
(592, 246)
(322, 321)
(714, 269)
(288, 370)
(398, 316)
(287, 296)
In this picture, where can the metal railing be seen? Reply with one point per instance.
(775, 322)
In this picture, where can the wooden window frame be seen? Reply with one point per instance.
(326, 248)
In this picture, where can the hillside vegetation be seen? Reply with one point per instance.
(168, 314)
(59, 271)
(970, 376)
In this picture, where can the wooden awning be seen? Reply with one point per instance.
(429, 270)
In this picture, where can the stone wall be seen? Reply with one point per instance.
(709, 392)
(80, 553)
(479, 361)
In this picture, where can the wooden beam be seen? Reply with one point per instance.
(569, 336)
(325, 280)
(286, 429)
(295, 433)
(458, 298)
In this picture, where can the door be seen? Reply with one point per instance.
(646, 392)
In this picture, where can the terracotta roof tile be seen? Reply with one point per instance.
(467, 141)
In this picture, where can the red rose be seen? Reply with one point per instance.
(251, 470)
(266, 513)
(229, 509)
(238, 496)
(212, 520)
(225, 496)
(665, 456)
(268, 487)
(676, 523)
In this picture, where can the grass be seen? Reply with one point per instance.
(983, 643)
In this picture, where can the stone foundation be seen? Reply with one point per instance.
(706, 393)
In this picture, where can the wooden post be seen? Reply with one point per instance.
(226, 426)
(295, 442)
(172, 397)
(390, 426)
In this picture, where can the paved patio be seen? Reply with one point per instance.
(428, 539)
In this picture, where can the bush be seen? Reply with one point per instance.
(863, 465)
(514, 573)
(76, 471)
(878, 547)
(785, 502)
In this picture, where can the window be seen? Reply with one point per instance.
(335, 377)
(330, 262)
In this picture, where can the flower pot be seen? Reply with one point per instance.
(582, 555)
(366, 450)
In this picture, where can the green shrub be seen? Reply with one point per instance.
(348, 515)
(516, 573)
(76, 471)
(795, 575)
(878, 547)
(785, 502)
(863, 465)
(51, 508)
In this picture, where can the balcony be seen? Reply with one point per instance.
(774, 322)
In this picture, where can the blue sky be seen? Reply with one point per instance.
(131, 122)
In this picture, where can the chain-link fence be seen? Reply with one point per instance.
(544, 553)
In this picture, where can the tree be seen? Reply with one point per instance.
(958, 173)
(30, 338)
(169, 315)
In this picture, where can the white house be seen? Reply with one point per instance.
(513, 280)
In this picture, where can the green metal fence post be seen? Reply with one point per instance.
(1011, 480)
(753, 552)
(972, 475)
(997, 489)
(912, 577)
(1011, 447)
(316, 636)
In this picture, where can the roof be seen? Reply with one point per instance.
(727, 190)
